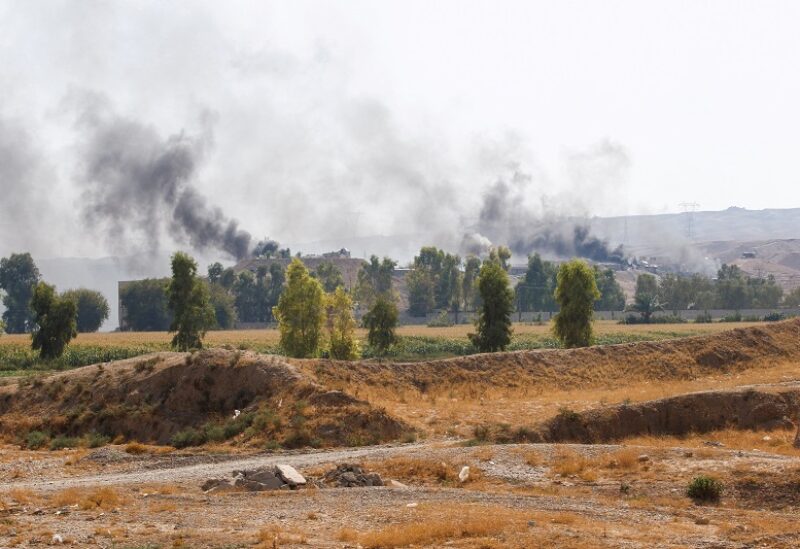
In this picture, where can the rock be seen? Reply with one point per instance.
(531, 523)
(290, 475)
(395, 484)
(701, 520)
(412, 505)
(713, 443)
(463, 476)
(57, 538)
(643, 458)
(348, 476)
(688, 454)
(213, 483)
(767, 438)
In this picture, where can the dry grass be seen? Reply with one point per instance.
(100, 498)
(429, 526)
(778, 441)
(136, 448)
(275, 536)
(415, 470)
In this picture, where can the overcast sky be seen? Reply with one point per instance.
(318, 120)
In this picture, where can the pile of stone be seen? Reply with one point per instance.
(279, 477)
(348, 475)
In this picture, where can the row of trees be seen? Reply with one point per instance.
(19, 280)
(732, 289)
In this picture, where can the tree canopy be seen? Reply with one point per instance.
(300, 312)
(145, 305)
(54, 321)
(374, 280)
(92, 308)
(18, 277)
(381, 322)
(576, 292)
(493, 324)
(189, 302)
(341, 325)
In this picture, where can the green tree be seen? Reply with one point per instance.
(215, 271)
(144, 305)
(612, 298)
(190, 305)
(501, 255)
(765, 292)
(92, 308)
(341, 325)
(732, 288)
(645, 299)
(381, 321)
(535, 290)
(493, 324)
(421, 297)
(54, 321)
(18, 277)
(224, 306)
(329, 276)
(576, 292)
(374, 280)
(675, 292)
(300, 312)
(792, 299)
(469, 291)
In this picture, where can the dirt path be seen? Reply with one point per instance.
(205, 470)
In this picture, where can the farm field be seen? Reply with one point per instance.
(416, 342)
(551, 462)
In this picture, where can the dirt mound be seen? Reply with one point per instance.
(756, 409)
(155, 397)
(685, 358)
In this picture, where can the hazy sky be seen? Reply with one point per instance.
(327, 119)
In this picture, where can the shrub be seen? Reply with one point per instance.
(36, 440)
(188, 437)
(774, 317)
(704, 488)
(441, 321)
(61, 442)
(96, 440)
(703, 318)
(735, 317)
(214, 433)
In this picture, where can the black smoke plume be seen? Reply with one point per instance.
(507, 217)
(139, 185)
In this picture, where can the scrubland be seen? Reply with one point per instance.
(419, 423)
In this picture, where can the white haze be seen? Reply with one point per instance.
(326, 122)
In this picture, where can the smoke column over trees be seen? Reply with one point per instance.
(138, 184)
(516, 211)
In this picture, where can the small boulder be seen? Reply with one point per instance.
(643, 458)
(290, 475)
(396, 484)
(463, 476)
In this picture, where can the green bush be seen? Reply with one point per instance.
(704, 488)
(214, 433)
(704, 318)
(188, 437)
(62, 441)
(735, 317)
(774, 317)
(96, 440)
(36, 440)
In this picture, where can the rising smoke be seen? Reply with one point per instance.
(518, 212)
(139, 184)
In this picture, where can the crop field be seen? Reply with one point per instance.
(415, 342)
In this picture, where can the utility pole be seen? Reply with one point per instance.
(689, 208)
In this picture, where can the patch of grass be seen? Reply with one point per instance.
(36, 440)
(96, 440)
(60, 442)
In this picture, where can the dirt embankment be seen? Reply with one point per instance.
(154, 397)
(686, 358)
(755, 409)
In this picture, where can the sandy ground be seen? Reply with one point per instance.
(156, 501)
